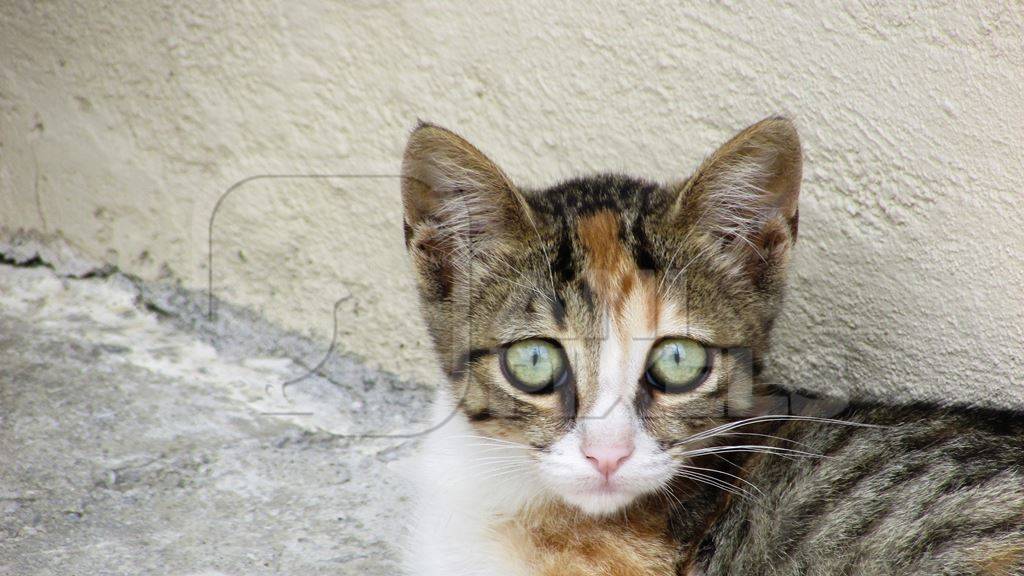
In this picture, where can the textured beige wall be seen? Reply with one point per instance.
(122, 125)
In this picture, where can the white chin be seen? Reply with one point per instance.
(600, 503)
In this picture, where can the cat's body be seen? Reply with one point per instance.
(928, 491)
(605, 415)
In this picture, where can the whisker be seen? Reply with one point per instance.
(770, 418)
(500, 474)
(498, 447)
(489, 439)
(771, 450)
(487, 450)
(722, 484)
(497, 459)
(779, 438)
(481, 465)
(716, 471)
(730, 462)
(725, 487)
(672, 500)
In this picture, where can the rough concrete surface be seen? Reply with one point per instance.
(135, 440)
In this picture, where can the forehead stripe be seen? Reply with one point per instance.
(599, 234)
(608, 262)
(612, 270)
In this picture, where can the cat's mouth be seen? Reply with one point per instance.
(603, 496)
(606, 489)
(602, 499)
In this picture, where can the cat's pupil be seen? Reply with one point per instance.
(535, 357)
(675, 354)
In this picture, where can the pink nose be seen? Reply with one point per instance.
(607, 459)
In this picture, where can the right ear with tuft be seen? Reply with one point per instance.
(744, 197)
(459, 207)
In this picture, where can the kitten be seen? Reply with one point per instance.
(604, 414)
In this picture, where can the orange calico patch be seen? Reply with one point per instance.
(555, 540)
(599, 234)
(608, 263)
(611, 271)
(1006, 559)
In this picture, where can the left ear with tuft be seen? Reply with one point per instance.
(459, 208)
(744, 198)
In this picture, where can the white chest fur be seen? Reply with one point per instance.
(465, 487)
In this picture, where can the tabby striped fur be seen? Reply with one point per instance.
(714, 483)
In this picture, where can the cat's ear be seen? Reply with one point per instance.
(744, 198)
(459, 207)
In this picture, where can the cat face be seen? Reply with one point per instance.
(602, 322)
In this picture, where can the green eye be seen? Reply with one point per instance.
(534, 365)
(678, 365)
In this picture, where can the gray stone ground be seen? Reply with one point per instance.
(137, 436)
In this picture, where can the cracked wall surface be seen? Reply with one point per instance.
(121, 128)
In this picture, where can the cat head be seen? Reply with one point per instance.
(600, 322)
